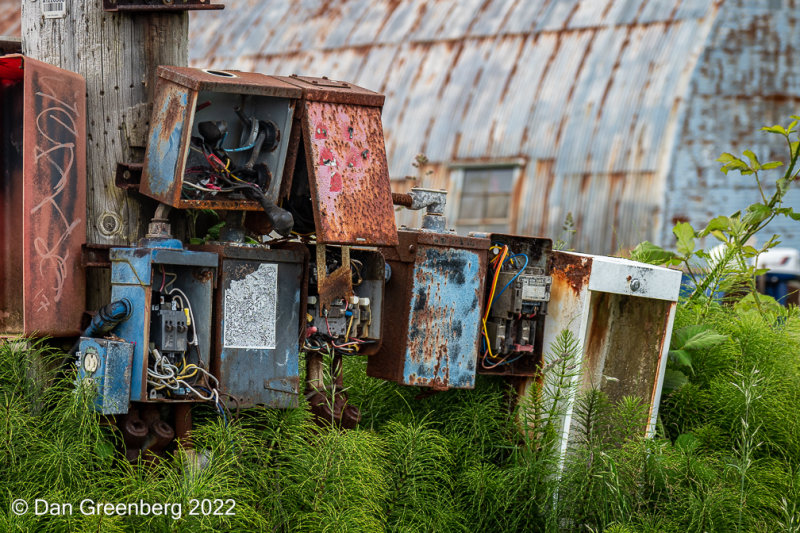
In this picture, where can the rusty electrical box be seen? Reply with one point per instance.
(231, 140)
(42, 198)
(346, 295)
(257, 322)
(621, 312)
(433, 310)
(516, 298)
(214, 135)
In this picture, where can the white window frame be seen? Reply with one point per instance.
(456, 184)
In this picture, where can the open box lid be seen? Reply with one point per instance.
(342, 135)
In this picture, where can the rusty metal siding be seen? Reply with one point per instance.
(487, 79)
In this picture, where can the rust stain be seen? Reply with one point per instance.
(203, 275)
(596, 336)
(572, 271)
(337, 284)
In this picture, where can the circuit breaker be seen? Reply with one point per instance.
(106, 364)
(345, 297)
(171, 292)
(258, 319)
(515, 305)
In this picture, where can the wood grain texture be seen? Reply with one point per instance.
(118, 54)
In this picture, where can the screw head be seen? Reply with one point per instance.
(635, 285)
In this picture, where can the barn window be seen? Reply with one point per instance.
(484, 200)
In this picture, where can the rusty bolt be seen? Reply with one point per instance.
(412, 249)
(126, 174)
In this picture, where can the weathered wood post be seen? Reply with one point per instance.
(118, 54)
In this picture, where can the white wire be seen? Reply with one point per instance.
(169, 372)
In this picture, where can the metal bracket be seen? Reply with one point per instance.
(128, 176)
(338, 283)
(159, 5)
(95, 255)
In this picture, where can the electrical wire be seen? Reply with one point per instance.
(521, 270)
(502, 256)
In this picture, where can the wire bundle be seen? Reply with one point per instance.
(187, 378)
(217, 177)
(329, 343)
(491, 360)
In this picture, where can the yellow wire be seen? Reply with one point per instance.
(349, 324)
(491, 297)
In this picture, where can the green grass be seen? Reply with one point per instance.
(727, 457)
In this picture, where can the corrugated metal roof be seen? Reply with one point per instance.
(9, 17)
(593, 94)
(618, 107)
(491, 78)
(746, 78)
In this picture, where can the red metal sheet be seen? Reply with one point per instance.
(53, 206)
(348, 174)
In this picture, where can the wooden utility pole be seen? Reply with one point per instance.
(117, 54)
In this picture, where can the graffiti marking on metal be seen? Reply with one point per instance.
(55, 155)
(251, 309)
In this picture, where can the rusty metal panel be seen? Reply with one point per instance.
(323, 89)
(348, 174)
(185, 97)
(433, 310)
(43, 197)
(231, 81)
(258, 322)
(621, 313)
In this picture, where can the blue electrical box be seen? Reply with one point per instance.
(258, 322)
(171, 291)
(107, 365)
(432, 316)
